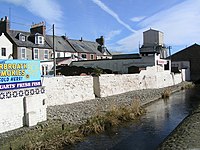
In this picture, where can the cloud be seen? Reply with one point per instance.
(137, 19)
(112, 34)
(46, 9)
(180, 25)
(113, 14)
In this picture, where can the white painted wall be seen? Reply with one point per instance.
(107, 85)
(5, 43)
(183, 65)
(64, 90)
(11, 114)
(18, 112)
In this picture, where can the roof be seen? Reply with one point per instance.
(191, 52)
(82, 46)
(152, 30)
(60, 44)
(85, 46)
(126, 56)
(14, 34)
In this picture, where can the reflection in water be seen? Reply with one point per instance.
(146, 133)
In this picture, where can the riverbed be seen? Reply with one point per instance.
(151, 129)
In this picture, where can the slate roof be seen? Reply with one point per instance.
(85, 46)
(60, 44)
(13, 34)
(190, 53)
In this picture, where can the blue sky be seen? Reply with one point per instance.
(121, 22)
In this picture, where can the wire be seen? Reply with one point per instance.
(27, 25)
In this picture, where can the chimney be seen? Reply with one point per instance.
(100, 40)
(4, 25)
(81, 39)
(38, 28)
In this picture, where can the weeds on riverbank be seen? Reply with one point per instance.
(187, 86)
(56, 135)
(112, 118)
(166, 93)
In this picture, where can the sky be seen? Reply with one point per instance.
(121, 22)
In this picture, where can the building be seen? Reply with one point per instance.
(152, 53)
(188, 59)
(36, 45)
(5, 47)
(153, 42)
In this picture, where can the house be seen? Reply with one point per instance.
(36, 45)
(188, 58)
(29, 45)
(89, 50)
(5, 47)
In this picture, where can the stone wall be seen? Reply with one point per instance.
(64, 90)
(153, 77)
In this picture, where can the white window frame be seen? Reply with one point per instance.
(23, 54)
(39, 39)
(23, 38)
(58, 54)
(35, 53)
(92, 56)
(3, 51)
(46, 54)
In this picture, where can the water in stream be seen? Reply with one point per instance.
(146, 133)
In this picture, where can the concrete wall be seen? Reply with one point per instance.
(64, 90)
(21, 111)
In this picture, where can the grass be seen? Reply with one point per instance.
(187, 86)
(56, 134)
(166, 93)
(114, 117)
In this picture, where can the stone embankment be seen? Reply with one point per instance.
(78, 113)
(186, 136)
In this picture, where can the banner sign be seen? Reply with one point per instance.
(15, 74)
(161, 62)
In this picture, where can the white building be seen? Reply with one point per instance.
(5, 47)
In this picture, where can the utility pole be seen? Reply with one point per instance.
(54, 54)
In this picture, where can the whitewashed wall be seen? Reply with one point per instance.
(153, 77)
(11, 115)
(22, 111)
(64, 90)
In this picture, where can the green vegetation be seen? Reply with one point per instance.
(116, 116)
(187, 86)
(56, 134)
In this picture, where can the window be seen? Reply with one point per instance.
(83, 55)
(39, 39)
(23, 38)
(3, 51)
(36, 53)
(46, 54)
(58, 54)
(23, 53)
(91, 56)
